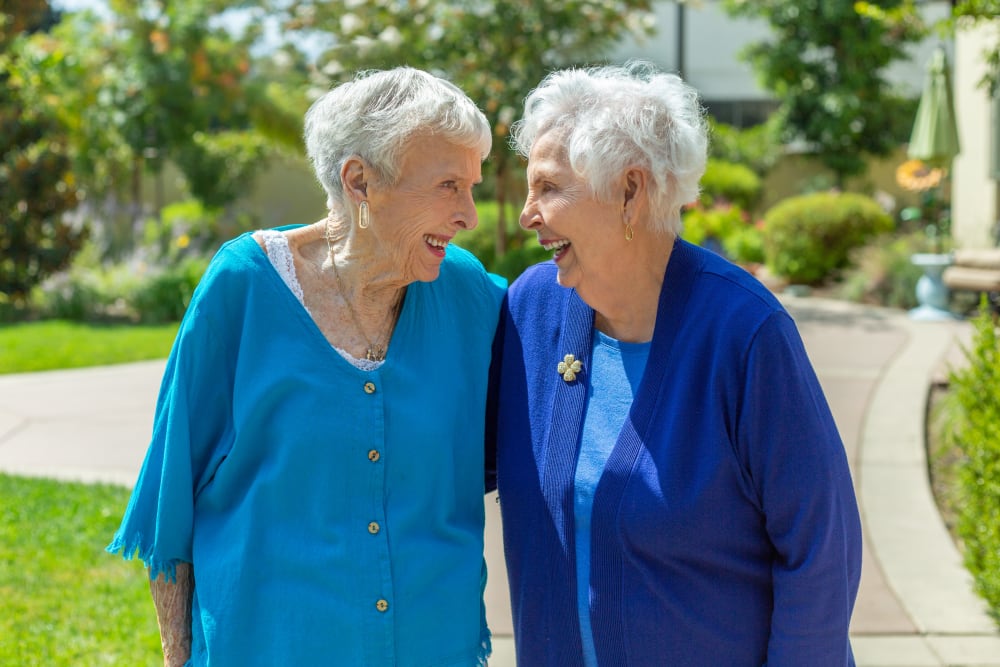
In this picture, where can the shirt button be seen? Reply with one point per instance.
(369, 387)
(373, 527)
(373, 455)
(382, 605)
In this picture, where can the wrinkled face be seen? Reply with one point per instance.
(582, 232)
(415, 219)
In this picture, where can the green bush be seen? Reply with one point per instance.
(89, 291)
(745, 245)
(709, 226)
(808, 237)
(757, 147)
(976, 431)
(725, 229)
(164, 296)
(522, 247)
(882, 272)
(730, 182)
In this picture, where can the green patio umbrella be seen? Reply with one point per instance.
(935, 134)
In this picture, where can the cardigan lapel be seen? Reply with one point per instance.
(568, 403)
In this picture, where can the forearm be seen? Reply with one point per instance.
(173, 612)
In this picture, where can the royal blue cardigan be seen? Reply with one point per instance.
(725, 528)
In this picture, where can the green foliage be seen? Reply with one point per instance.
(66, 602)
(808, 237)
(165, 295)
(37, 183)
(220, 166)
(723, 228)
(826, 64)
(977, 432)
(55, 344)
(88, 291)
(730, 182)
(757, 147)
(882, 273)
(522, 252)
(494, 50)
(745, 245)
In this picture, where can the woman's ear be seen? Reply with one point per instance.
(635, 186)
(354, 177)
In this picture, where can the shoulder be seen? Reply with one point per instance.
(463, 275)
(536, 289)
(728, 294)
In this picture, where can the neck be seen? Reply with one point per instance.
(626, 308)
(367, 275)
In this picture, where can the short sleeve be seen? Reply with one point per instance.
(191, 429)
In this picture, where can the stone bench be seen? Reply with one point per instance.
(975, 270)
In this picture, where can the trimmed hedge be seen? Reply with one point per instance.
(976, 431)
(729, 182)
(808, 237)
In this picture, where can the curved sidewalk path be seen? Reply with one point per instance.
(915, 607)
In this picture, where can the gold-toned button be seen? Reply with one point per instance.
(369, 387)
(382, 605)
(373, 527)
(373, 455)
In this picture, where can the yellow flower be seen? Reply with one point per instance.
(917, 176)
(183, 241)
(569, 367)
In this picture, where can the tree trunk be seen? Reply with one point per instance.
(501, 198)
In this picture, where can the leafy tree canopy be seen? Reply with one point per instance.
(826, 63)
(495, 50)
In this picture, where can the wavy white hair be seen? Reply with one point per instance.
(615, 117)
(376, 114)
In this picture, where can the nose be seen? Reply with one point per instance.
(529, 218)
(468, 217)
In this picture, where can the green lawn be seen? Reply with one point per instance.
(52, 344)
(64, 601)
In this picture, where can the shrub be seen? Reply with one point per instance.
(164, 296)
(882, 272)
(89, 291)
(730, 182)
(808, 237)
(745, 245)
(976, 431)
(522, 248)
(724, 229)
(757, 147)
(709, 226)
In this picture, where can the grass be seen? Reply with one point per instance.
(64, 601)
(53, 344)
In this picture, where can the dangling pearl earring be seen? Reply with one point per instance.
(364, 218)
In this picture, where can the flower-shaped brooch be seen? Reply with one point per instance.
(569, 367)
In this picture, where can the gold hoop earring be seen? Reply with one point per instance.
(628, 232)
(364, 217)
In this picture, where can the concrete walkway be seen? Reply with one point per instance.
(915, 607)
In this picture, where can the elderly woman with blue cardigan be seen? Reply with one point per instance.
(673, 487)
(313, 491)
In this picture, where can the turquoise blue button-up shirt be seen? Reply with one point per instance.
(333, 516)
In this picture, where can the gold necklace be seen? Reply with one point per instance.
(375, 351)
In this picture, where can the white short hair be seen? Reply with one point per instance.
(374, 117)
(614, 117)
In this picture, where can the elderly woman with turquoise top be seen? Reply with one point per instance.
(313, 491)
(673, 487)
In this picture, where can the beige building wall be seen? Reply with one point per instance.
(974, 186)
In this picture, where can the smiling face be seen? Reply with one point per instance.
(585, 234)
(415, 219)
